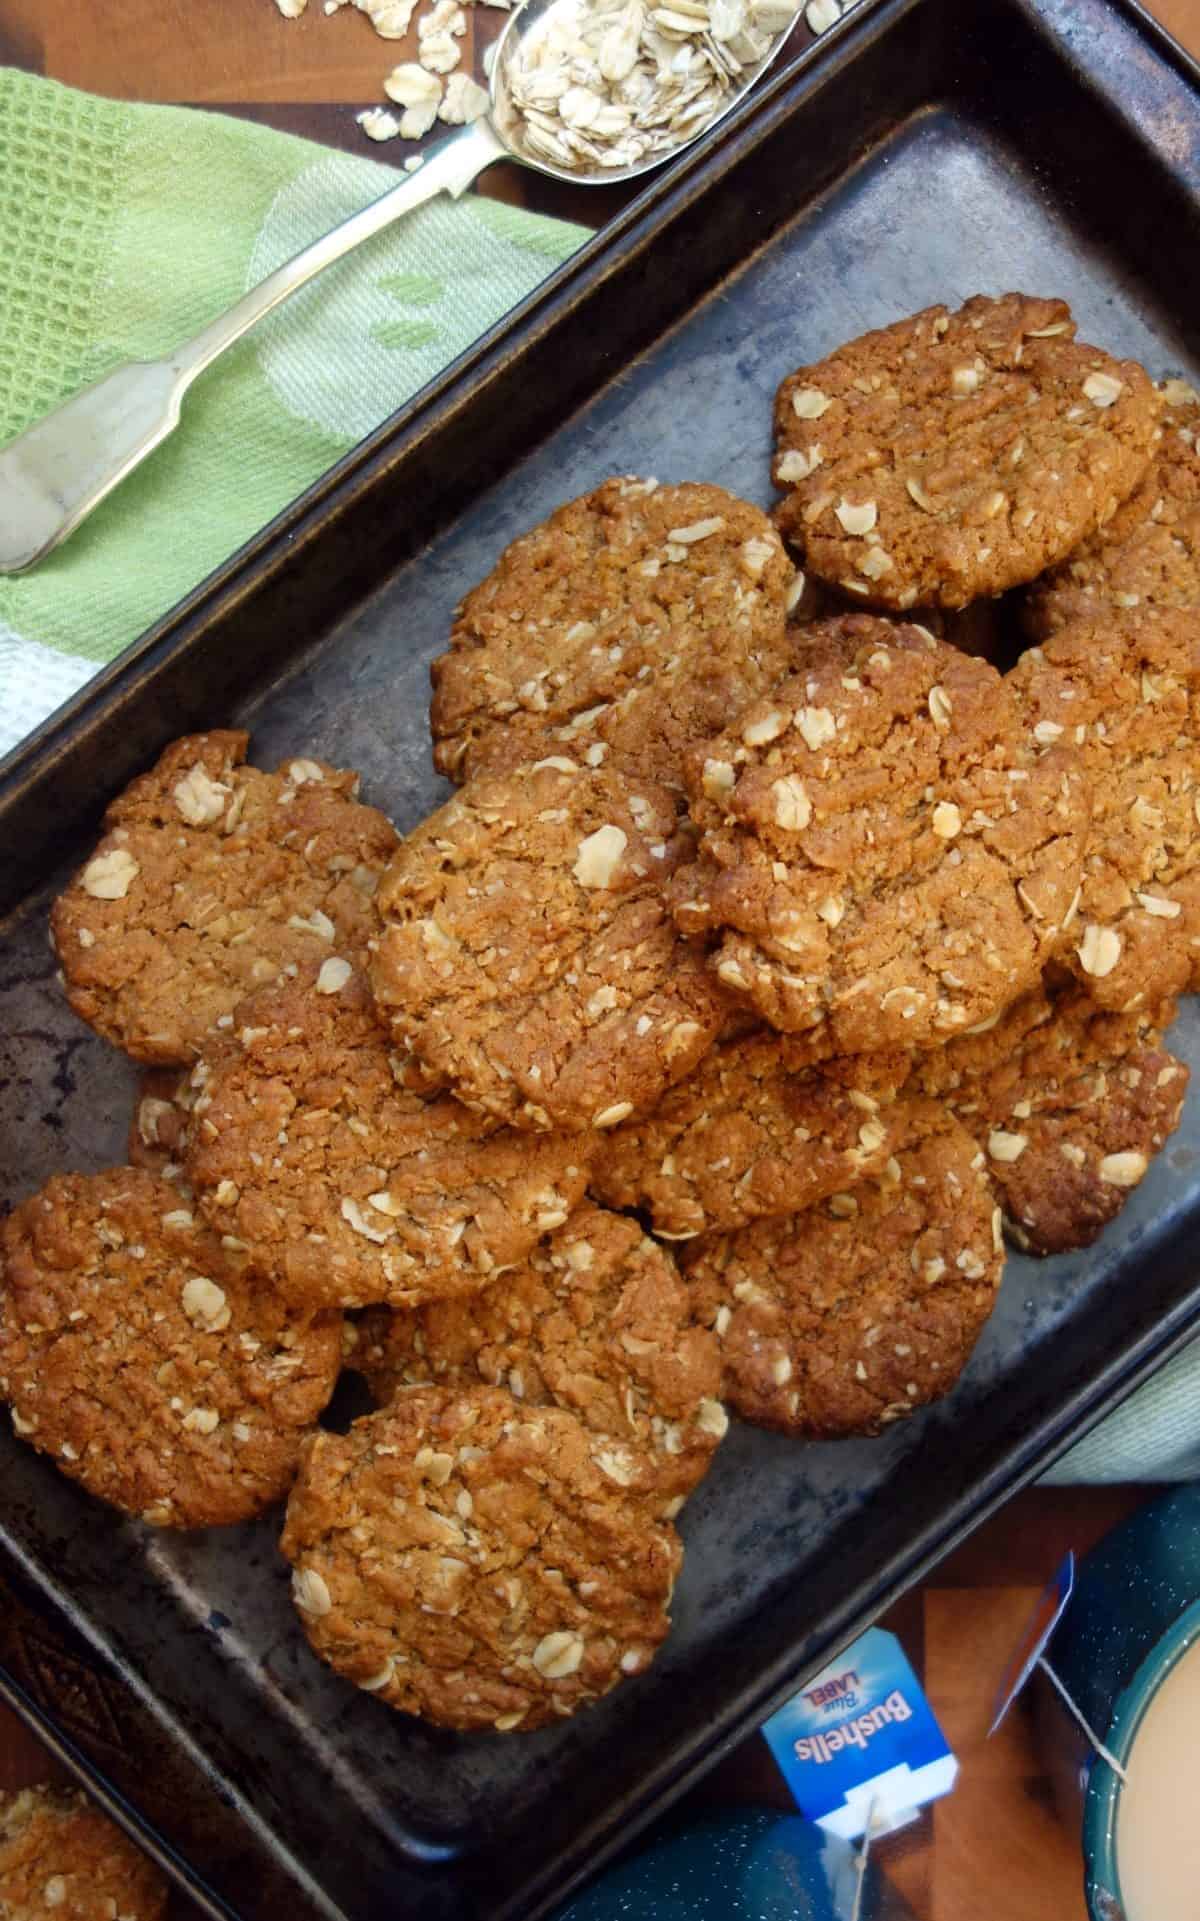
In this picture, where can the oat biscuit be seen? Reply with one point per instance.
(953, 455)
(463, 1558)
(628, 625)
(62, 1860)
(152, 1370)
(889, 853)
(1148, 554)
(753, 1132)
(1069, 1103)
(528, 953)
(211, 879)
(597, 1321)
(850, 1315)
(161, 1116)
(1125, 688)
(345, 1182)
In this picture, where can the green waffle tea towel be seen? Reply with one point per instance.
(124, 229)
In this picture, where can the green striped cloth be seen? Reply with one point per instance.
(123, 229)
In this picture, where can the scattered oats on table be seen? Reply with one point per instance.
(416, 85)
(419, 93)
(378, 124)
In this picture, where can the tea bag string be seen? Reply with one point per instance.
(1093, 1738)
(860, 1862)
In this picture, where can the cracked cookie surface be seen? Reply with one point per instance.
(888, 853)
(62, 1860)
(462, 1557)
(850, 1315)
(344, 1180)
(211, 879)
(528, 954)
(757, 1129)
(623, 628)
(952, 455)
(162, 1378)
(1125, 688)
(1069, 1103)
(597, 1321)
(1148, 554)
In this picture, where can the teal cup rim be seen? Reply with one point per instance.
(1104, 1789)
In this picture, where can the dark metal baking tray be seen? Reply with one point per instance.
(933, 149)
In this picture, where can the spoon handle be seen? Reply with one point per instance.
(58, 470)
(449, 169)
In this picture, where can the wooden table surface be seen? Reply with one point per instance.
(993, 1850)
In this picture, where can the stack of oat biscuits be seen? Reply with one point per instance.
(777, 955)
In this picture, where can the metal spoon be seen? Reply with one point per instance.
(58, 470)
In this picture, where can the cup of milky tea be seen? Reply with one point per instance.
(1128, 1652)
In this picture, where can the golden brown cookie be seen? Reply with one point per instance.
(952, 455)
(850, 1315)
(62, 1860)
(1148, 553)
(597, 1321)
(889, 854)
(623, 628)
(211, 879)
(152, 1370)
(161, 1115)
(528, 954)
(341, 1180)
(754, 1131)
(1125, 688)
(463, 1558)
(1069, 1103)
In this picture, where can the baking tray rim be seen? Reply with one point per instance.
(303, 520)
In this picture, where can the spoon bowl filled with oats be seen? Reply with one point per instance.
(590, 91)
(599, 93)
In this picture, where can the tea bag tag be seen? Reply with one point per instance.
(1048, 1611)
(859, 1747)
(1030, 1653)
